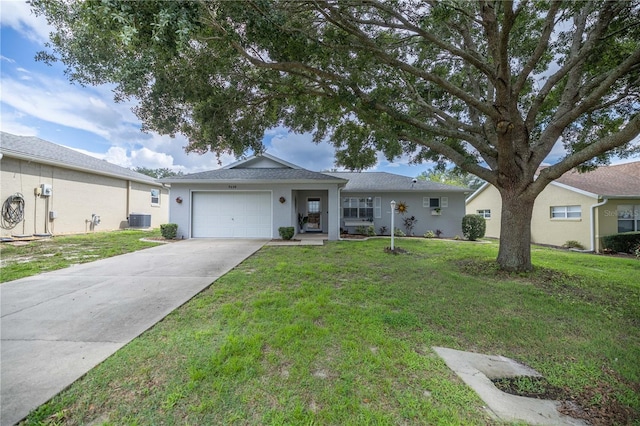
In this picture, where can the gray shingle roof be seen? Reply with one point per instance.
(39, 150)
(389, 182)
(254, 174)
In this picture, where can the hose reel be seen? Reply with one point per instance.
(12, 211)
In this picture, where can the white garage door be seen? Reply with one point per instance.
(231, 214)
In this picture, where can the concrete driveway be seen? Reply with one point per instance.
(58, 325)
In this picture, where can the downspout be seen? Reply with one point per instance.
(128, 204)
(593, 222)
(339, 211)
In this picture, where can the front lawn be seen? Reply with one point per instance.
(341, 334)
(25, 258)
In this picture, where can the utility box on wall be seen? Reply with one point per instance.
(45, 190)
(137, 220)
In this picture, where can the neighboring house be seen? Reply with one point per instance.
(581, 207)
(252, 198)
(66, 192)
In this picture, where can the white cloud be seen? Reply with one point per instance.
(154, 160)
(181, 161)
(9, 124)
(118, 156)
(57, 102)
(18, 15)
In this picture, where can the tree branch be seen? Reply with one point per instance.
(541, 47)
(457, 158)
(484, 149)
(622, 137)
(373, 47)
(432, 38)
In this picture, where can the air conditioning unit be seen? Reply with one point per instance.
(46, 190)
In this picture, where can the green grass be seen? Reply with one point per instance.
(19, 261)
(342, 335)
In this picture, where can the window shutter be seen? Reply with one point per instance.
(377, 207)
(444, 202)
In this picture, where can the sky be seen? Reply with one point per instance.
(38, 100)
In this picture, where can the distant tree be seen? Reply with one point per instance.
(157, 173)
(451, 176)
(491, 85)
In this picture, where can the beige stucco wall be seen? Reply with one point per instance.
(544, 229)
(488, 199)
(608, 217)
(140, 202)
(76, 196)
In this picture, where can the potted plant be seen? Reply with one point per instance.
(302, 220)
(436, 211)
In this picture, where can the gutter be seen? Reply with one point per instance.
(592, 222)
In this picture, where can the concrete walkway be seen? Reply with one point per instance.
(306, 239)
(58, 325)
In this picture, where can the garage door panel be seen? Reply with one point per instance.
(227, 215)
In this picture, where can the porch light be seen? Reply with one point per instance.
(393, 229)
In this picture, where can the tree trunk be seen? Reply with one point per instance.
(515, 233)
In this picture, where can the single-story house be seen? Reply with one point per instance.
(48, 189)
(579, 207)
(253, 198)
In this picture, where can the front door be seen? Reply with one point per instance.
(314, 209)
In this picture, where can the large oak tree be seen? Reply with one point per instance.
(492, 86)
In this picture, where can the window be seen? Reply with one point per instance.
(628, 218)
(357, 207)
(313, 205)
(431, 202)
(566, 212)
(155, 197)
(486, 213)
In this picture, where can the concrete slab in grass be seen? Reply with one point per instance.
(477, 370)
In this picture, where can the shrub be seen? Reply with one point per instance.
(369, 231)
(573, 244)
(429, 234)
(398, 233)
(621, 243)
(473, 226)
(383, 230)
(438, 233)
(637, 252)
(286, 232)
(169, 230)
